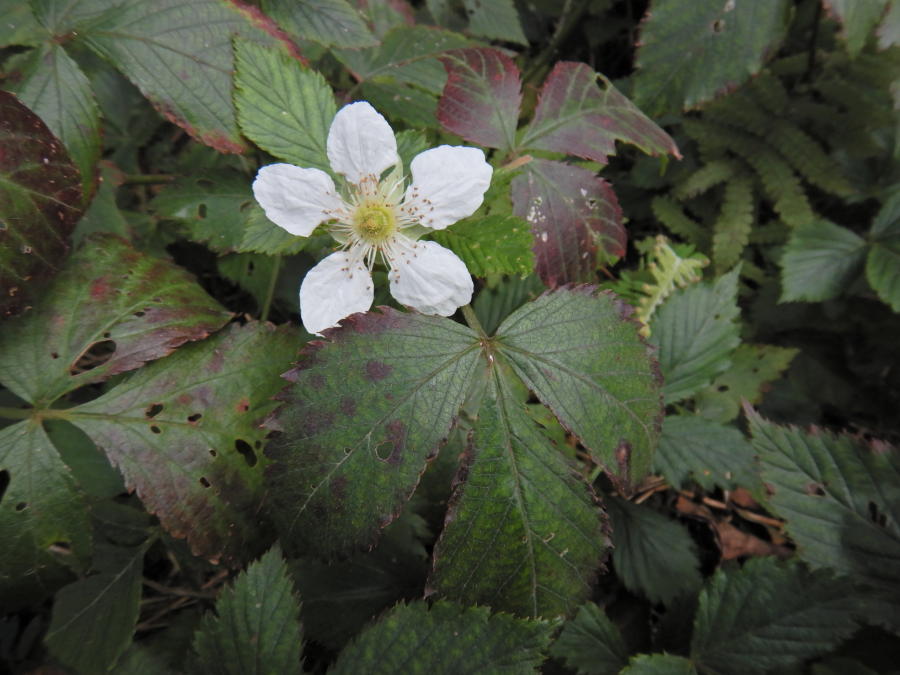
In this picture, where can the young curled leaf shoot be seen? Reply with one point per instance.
(373, 218)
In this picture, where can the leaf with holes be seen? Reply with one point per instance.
(180, 56)
(590, 643)
(39, 203)
(256, 625)
(490, 245)
(283, 107)
(328, 22)
(445, 638)
(523, 532)
(184, 433)
(839, 496)
(767, 617)
(44, 522)
(111, 310)
(56, 89)
(577, 116)
(573, 215)
(692, 52)
(482, 97)
(577, 350)
(883, 263)
(363, 414)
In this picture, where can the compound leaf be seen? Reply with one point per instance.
(256, 626)
(696, 330)
(363, 414)
(577, 116)
(768, 616)
(820, 261)
(39, 204)
(111, 310)
(691, 53)
(445, 639)
(581, 355)
(523, 533)
(482, 96)
(573, 215)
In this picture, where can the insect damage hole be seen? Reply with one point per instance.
(93, 357)
(246, 451)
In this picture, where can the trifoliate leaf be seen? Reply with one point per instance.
(883, 263)
(820, 261)
(752, 368)
(580, 354)
(590, 643)
(768, 616)
(493, 304)
(55, 88)
(39, 204)
(696, 330)
(490, 245)
(839, 496)
(523, 533)
(184, 433)
(659, 664)
(482, 97)
(93, 619)
(43, 517)
(283, 107)
(329, 22)
(581, 113)
(255, 629)
(653, 555)
(111, 310)
(711, 454)
(445, 639)
(573, 215)
(363, 414)
(691, 53)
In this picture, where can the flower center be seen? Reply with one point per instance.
(374, 223)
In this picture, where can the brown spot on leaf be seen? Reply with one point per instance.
(339, 487)
(396, 434)
(243, 405)
(348, 406)
(377, 370)
(815, 490)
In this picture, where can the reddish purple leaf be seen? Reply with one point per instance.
(572, 213)
(579, 116)
(39, 202)
(482, 96)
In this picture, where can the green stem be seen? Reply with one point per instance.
(472, 320)
(16, 413)
(32, 413)
(270, 291)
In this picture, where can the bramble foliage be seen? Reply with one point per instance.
(661, 438)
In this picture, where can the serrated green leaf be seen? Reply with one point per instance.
(56, 89)
(256, 627)
(490, 245)
(659, 664)
(495, 20)
(752, 368)
(581, 113)
(109, 297)
(768, 616)
(692, 52)
(445, 639)
(820, 261)
(19, 26)
(696, 331)
(859, 18)
(283, 107)
(711, 454)
(399, 101)
(840, 498)
(329, 22)
(39, 204)
(261, 235)
(184, 433)
(493, 305)
(523, 533)
(582, 357)
(590, 643)
(733, 225)
(253, 272)
(364, 413)
(90, 467)
(93, 619)
(652, 554)
(883, 263)
(43, 517)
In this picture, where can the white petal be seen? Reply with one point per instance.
(331, 291)
(431, 279)
(360, 142)
(448, 183)
(296, 199)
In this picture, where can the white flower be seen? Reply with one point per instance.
(374, 217)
